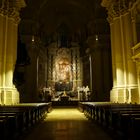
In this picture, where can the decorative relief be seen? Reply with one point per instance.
(4, 7)
(113, 11)
(13, 13)
(124, 6)
(116, 8)
(11, 8)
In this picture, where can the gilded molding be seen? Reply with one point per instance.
(11, 8)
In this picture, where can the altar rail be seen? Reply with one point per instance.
(16, 119)
(121, 119)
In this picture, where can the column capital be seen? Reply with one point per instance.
(116, 8)
(11, 8)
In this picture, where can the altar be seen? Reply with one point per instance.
(64, 98)
(63, 86)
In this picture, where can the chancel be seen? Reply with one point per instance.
(64, 63)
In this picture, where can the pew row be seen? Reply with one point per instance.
(16, 119)
(123, 119)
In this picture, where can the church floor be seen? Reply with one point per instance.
(66, 124)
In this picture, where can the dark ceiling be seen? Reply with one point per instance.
(44, 17)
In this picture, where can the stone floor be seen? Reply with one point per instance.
(66, 124)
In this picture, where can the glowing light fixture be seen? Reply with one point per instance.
(33, 38)
(96, 37)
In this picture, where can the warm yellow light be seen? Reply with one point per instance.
(33, 38)
(96, 37)
(66, 114)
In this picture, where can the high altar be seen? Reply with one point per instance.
(64, 68)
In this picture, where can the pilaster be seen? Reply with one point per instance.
(133, 19)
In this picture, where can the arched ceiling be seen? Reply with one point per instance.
(45, 16)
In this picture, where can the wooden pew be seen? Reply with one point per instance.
(9, 126)
(23, 115)
(3, 127)
(109, 112)
(135, 128)
(117, 117)
(15, 119)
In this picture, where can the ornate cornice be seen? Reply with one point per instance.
(117, 8)
(11, 8)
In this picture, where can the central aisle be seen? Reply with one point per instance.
(67, 124)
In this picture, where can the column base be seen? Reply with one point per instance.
(9, 96)
(124, 95)
(118, 95)
(134, 96)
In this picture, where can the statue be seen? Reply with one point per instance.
(86, 90)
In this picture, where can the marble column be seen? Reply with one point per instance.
(9, 19)
(9, 94)
(123, 37)
(119, 89)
